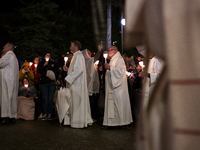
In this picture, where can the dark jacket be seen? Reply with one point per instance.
(42, 70)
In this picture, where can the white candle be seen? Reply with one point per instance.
(105, 56)
(65, 59)
(26, 85)
(35, 65)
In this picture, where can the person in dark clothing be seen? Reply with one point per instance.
(135, 86)
(47, 86)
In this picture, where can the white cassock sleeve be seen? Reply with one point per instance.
(4, 61)
(78, 69)
(117, 73)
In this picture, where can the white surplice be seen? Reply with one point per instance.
(92, 74)
(9, 83)
(80, 114)
(117, 104)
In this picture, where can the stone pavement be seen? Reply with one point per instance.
(47, 135)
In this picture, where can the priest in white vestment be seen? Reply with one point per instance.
(80, 114)
(117, 104)
(9, 83)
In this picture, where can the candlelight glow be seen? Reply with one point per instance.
(35, 65)
(65, 59)
(47, 59)
(30, 63)
(105, 55)
(141, 63)
(128, 73)
(97, 62)
(26, 85)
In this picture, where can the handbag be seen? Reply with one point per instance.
(51, 75)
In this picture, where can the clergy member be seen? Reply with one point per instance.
(80, 114)
(9, 83)
(117, 104)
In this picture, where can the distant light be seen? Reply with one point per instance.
(123, 22)
(115, 42)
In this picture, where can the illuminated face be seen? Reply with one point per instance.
(47, 56)
(25, 81)
(36, 60)
(112, 51)
(26, 67)
(139, 68)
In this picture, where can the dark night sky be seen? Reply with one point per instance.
(10, 5)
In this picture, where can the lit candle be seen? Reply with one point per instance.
(141, 64)
(26, 85)
(105, 55)
(65, 59)
(47, 59)
(128, 73)
(30, 63)
(35, 65)
(97, 62)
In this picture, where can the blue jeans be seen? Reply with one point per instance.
(47, 92)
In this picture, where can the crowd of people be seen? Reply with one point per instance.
(98, 90)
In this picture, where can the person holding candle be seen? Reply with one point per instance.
(80, 114)
(26, 105)
(47, 84)
(117, 110)
(26, 71)
(9, 83)
(36, 74)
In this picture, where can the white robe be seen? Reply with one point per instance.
(117, 104)
(9, 83)
(80, 114)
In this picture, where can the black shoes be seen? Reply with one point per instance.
(7, 120)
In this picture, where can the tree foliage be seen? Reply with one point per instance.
(40, 27)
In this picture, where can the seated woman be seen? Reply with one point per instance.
(26, 71)
(26, 104)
